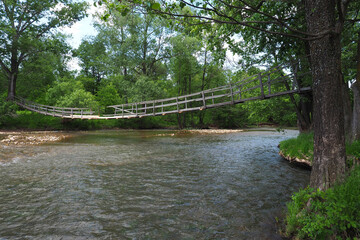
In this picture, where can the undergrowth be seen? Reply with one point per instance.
(332, 214)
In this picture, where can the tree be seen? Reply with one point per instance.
(107, 95)
(69, 92)
(44, 68)
(184, 67)
(25, 28)
(137, 43)
(324, 25)
(93, 59)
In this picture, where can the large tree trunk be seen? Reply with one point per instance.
(12, 87)
(355, 125)
(329, 137)
(347, 109)
(305, 109)
(12, 76)
(355, 128)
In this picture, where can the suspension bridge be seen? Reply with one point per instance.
(268, 84)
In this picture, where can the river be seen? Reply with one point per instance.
(147, 185)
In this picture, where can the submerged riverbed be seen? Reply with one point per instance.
(147, 185)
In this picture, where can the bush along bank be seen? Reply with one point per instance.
(330, 214)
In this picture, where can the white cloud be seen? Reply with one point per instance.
(80, 30)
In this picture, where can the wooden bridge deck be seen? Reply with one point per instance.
(269, 84)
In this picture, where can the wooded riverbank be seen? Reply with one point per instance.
(329, 214)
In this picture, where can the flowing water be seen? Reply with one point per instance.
(147, 185)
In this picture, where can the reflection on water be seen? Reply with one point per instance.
(148, 185)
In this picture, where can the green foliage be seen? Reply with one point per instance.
(78, 99)
(29, 120)
(228, 117)
(145, 89)
(353, 149)
(334, 213)
(107, 96)
(28, 28)
(7, 111)
(301, 147)
(68, 92)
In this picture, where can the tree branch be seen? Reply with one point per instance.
(5, 68)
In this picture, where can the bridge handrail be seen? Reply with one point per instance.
(270, 83)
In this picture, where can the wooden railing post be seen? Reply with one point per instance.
(261, 86)
(154, 108)
(123, 110)
(203, 99)
(177, 104)
(136, 106)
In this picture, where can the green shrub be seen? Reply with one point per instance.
(323, 215)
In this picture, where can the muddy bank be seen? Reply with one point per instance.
(305, 162)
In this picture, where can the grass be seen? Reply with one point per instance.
(301, 147)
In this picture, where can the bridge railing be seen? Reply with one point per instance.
(276, 81)
(52, 110)
(273, 82)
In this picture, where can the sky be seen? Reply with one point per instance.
(84, 28)
(79, 30)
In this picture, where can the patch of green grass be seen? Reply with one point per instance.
(333, 214)
(301, 147)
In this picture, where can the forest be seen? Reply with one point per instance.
(135, 57)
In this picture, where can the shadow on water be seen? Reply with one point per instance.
(149, 185)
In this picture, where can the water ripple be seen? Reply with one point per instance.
(137, 185)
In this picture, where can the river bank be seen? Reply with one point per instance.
(41, 137)
(31, 137)
(292, 159)
(308, 208)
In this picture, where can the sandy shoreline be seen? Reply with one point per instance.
(31, 138)
(10, 137)
(40, 137)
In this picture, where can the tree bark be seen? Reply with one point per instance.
(329, 135)
(305, 109)
(355, 128)
(355, 125)
(12, 87)
(347, 109)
